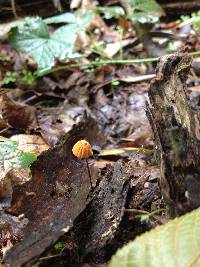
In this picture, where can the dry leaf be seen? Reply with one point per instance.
(75, 4)
(17, 115)
(134, 79)
(30, 143)
(113, 48)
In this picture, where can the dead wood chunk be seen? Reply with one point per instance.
(106, 210)
(176, 132)
(56, 195)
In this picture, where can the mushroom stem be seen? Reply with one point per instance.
(89, 174)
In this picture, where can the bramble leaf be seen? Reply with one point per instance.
(12, 157)
(34, 37)
(111, 12)
(144, 11)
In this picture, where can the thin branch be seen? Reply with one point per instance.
(14, 10)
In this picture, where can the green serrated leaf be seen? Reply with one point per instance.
(175, 244)
(111, 12)
(83, 19)
(34, 37)
(144, 11)
(63, 18)
(26, 158)
(11, 156)
(58, 247)
(6, 148)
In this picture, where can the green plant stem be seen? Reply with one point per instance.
(104, 62)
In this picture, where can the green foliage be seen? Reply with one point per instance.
(27, 76)
(34, 37)
(5, 58)
(194, 19)
(115, 83)
(58, 247)
(110, 12)
(175, 244)
(145, 11)
(171, 47)
(13, 157)
(138, 10)
(63, 18)
(9, 77)
(145, 218)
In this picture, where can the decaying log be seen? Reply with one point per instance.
(176, 129)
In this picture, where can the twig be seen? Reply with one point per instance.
(14, 10)
(50, 257)
(89, 173)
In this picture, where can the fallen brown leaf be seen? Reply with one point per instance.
(30, 143)
(17, 115)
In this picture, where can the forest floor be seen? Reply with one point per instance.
(51, 215)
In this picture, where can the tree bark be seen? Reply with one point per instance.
(176, 129)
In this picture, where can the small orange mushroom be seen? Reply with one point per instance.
(83, 150)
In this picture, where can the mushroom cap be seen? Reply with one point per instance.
(82, 149)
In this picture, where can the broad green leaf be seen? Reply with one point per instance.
(111, 12)
(176, 244)
(63, 18)
(83, 19)
(11, 156)
(145, 11)
(25, 159)
(78, 18)
(34, 37)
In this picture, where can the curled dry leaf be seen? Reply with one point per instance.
(113, 48)
(54, 123)
(3, 124)
(17, 115)
(75, 4)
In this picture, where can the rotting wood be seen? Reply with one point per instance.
(176, 132)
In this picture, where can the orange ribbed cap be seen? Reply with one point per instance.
(82, 149)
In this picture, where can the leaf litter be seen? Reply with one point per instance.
(58, 202)
(55, 202)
